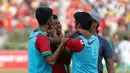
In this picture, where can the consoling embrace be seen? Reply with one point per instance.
(50, 51)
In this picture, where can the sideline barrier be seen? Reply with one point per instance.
(13, 59)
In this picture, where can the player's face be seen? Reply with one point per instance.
(116, 37)
(94, 27)
(58, 26)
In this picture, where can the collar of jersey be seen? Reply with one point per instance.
(38, 29)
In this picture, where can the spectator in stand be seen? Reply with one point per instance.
(1, 26)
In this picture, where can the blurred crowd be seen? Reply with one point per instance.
(115, 15)
(17, 14)
(20, 13)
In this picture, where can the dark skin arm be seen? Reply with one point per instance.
(80, 31)
(71, 34)
(110, 65)
(53, 58)
(63, 56)
(55, 41)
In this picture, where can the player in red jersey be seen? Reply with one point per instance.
(55, 38)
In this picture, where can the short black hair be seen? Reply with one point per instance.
(84, 19)
(43, 14)
(55, 16)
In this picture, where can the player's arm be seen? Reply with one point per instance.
(75, 45)
(55, 41)
(71, 34)
(80, 31)
(110, 66)
(52, 59)
(107, 53)
(43, 46)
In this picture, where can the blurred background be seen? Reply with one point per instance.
(17, 20)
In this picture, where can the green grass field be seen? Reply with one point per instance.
(14, 71)
(25, 71)
(117, 71)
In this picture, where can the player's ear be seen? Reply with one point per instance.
(79, 26)
(95, 24)
(49, 24)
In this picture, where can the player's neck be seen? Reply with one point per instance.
(44, 28)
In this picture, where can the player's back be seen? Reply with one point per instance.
(86, 60)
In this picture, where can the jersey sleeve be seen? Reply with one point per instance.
(107, 51)
(43, 46)
(75, 45)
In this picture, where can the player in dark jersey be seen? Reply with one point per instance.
(64, 58)
(105, 52)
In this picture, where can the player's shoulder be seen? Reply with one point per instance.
(123, 42)
(41, 36)
(102, 39)
(80, 39)
(94, 37)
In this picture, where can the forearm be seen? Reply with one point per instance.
(55, 36)
(55, 41)
(110, 70)
(110, 66)
(55, 55)
(70, 34)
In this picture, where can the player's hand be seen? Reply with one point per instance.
(64, 40)
(52, 31)
(87, 34)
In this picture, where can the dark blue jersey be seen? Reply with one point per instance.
(104, 52)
